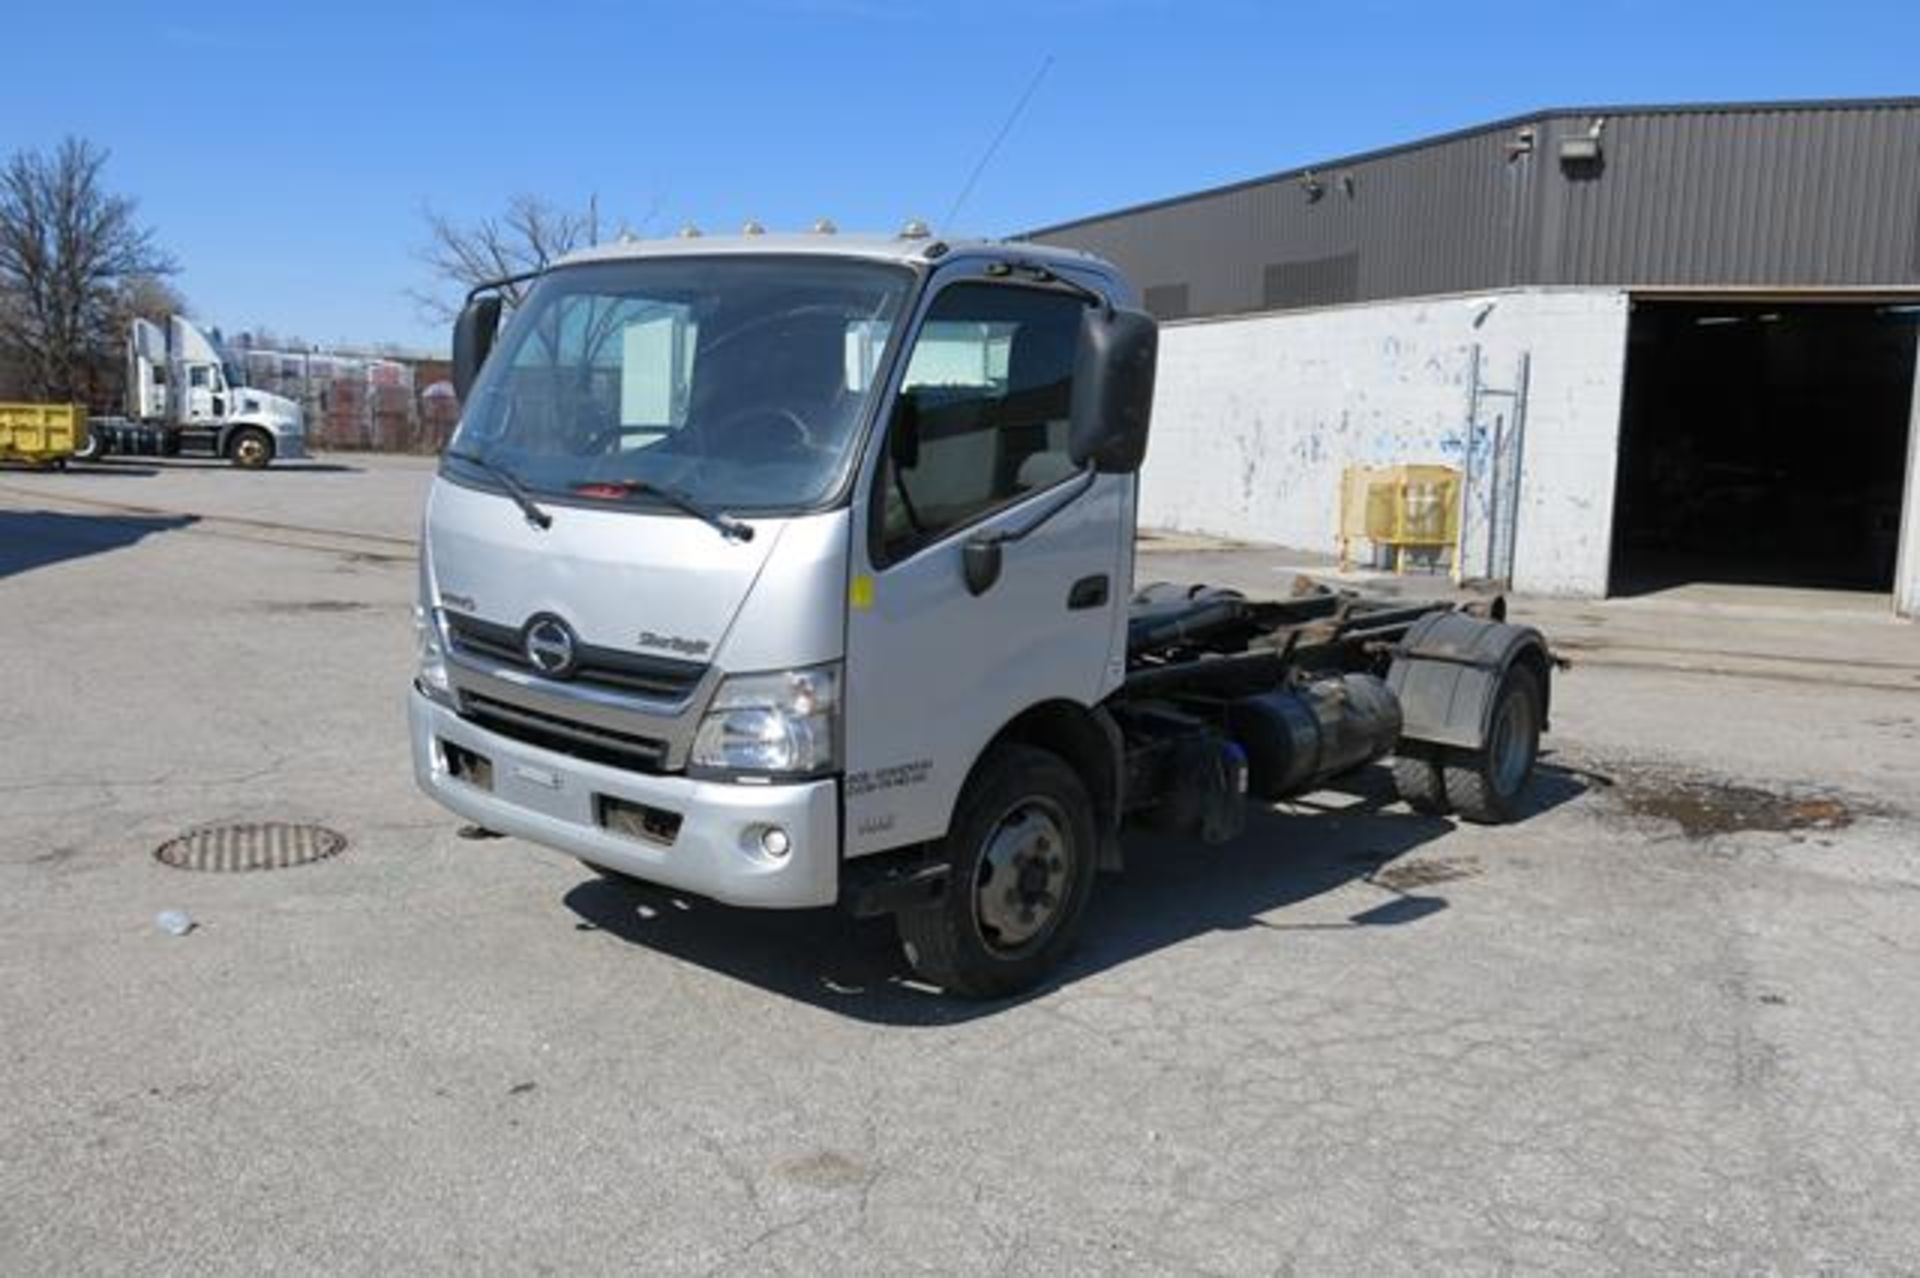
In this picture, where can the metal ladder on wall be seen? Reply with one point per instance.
(1490, 471)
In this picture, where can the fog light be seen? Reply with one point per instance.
(775, 843)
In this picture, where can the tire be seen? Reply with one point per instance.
(1026, 820)
(250, 448)
(1485, 785)
(1420, 779)
(91, 449)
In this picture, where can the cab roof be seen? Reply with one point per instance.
(881, 248)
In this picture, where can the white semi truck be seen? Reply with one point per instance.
(795, 571)
(184, 399)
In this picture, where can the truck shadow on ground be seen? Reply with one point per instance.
(32, 539)
(1172, 891)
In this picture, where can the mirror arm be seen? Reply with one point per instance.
(504, 282)
(1043, 275)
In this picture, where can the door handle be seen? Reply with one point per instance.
(1088, 592)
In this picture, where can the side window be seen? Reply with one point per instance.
(986, 395)
(197, 376)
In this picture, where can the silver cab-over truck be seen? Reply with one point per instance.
(795, 571)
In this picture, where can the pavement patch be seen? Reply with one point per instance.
(1406, 876)
(1705, 808)
(316, 605)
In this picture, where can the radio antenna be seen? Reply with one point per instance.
(1012, 116)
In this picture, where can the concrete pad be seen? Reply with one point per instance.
(1643, 1030)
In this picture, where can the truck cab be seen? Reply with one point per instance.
(793, 571)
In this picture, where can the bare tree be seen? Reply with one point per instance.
(72, 260)
(529, 235)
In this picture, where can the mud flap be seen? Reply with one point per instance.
(1447, 670)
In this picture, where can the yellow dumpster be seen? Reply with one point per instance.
(41, 434)
(1402, 507)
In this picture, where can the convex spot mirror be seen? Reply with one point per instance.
(1113, 389)
(473, 335)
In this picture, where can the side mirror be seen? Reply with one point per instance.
(980, 560)
(1113, 390)
(903, 434)
(473, 335)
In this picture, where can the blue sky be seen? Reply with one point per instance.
(283, 153)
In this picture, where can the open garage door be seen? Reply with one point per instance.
(1763, 443)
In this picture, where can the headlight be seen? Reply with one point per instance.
(432, 672)
(771, 723)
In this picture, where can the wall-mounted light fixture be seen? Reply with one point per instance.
(1521, 143)
(1580, 153)
(1347, 185)
(1310, 183)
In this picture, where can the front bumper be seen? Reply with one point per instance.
(290, 447)
(556, 800)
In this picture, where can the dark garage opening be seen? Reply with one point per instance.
(1763, 444)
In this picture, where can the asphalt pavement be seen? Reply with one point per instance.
(1669, 1022)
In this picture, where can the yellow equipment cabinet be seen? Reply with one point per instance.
(1404, 507)
(41, 434)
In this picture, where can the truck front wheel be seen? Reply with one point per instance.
(1021, 852)
(250, 449)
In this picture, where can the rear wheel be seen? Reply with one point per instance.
(250, 449)
(1485, 785)
(1021, 852)
(1420, 779)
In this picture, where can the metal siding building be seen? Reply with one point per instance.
(1785, 196)
(1704, 319)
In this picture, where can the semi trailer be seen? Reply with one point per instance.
(796, 571)
(183, 399)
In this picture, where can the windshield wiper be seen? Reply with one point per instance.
(515, 489)
(726, 525)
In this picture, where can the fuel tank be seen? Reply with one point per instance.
(1296, 738)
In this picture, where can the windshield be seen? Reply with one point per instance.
(236, 379)
(738, 383)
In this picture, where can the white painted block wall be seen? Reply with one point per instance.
(1906, 582)
(1255, 418)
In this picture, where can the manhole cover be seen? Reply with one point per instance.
(258, 845)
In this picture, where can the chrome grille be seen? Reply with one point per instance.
(661, 678)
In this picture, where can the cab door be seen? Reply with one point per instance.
(201, 396)
(975, 442)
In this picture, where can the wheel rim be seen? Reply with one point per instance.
(251, 451)
(1513, 742)
(1020, 891)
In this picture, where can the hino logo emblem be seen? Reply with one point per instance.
(550, 646)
